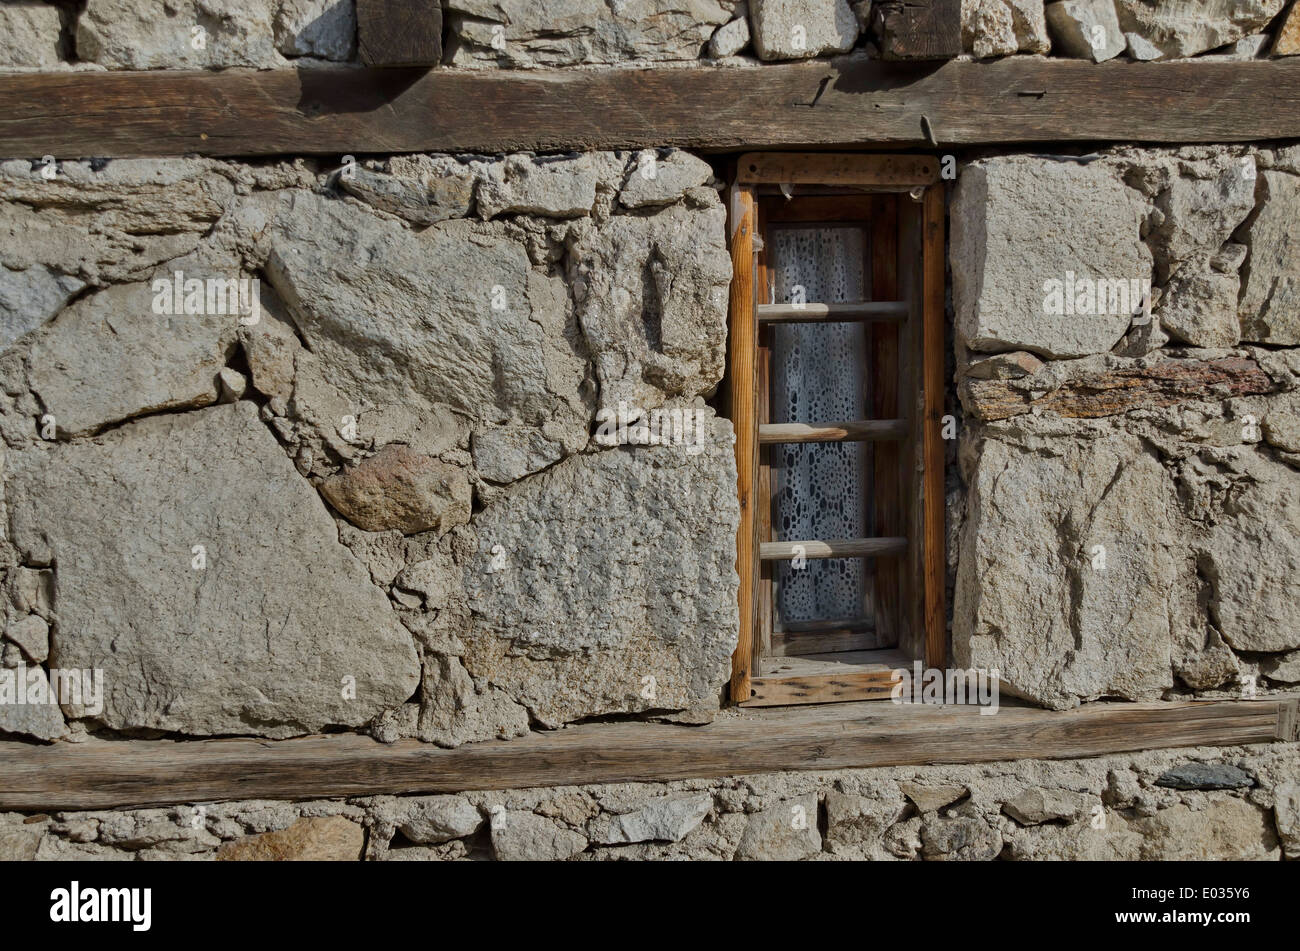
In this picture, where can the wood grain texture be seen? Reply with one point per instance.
(918, 29)
(742, 351)
(106, 774)
(933, 537)
(860, 430)
(399, 32)
(371, 110)
(833, 548)
(892, 172)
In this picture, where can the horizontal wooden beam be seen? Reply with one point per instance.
(832, 548)
(105, 774)
(846, 102)
(882, 311)
(881, 172)
(858, 430)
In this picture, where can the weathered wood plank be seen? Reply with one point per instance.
(338, 111)
(103, 774)
(918, 29)
(399, 32)
(933, 538)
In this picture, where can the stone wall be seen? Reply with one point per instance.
(523, 34)
(1131, 505)
(387, 491)
(1226, 803)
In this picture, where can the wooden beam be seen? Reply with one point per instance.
(859, 430)
(107, 774)
(743, 399)
(883, 311)
(933, 350)
(918, 29)
(841, 677)
(833, 548)
(882, 172)
(845, 102)
(399, 32)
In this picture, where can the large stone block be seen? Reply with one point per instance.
(801, 29)
(607, 583)
(1003, 27)
(1175, 28)
(271, 628)
(1023, 227)
(29, 34)
(1269, 306)
(524, 34)
(651, 293)
(454, 316)
(1070, 569)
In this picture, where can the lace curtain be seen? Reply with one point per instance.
(819, 376)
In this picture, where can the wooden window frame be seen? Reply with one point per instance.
(918, 579)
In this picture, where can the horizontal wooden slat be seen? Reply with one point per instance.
(841, 102)
(832, 548)
(839, 677)
(885, 172)
(860, 430)
(106, 774)
(884, 311)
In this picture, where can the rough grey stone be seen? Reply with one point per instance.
(1284, 668)
(732, 37)
(856, 826)
(32, 634)
(323, 29)
(454, 709)
(38, 719)
(109, 357)
(962, 838)
(785, 832)
(1003, 27)
(433, 819)
(19, 841)
(1205, 776)
(31, 296)
(801, 29)
(522, 34)
(667, 819)
(554, 187)
(1179, 29)
(1037, 805)
(932, 798)
(422, 189)
(504, 455)
(185, 34)
(29, 34)
(656, 180)
(525, 837)
(1085, 29)
(1269, 307)
(451, 319)
(616, 592)
(400, 489)
(1250, 557)
(651, 293)
(1029, 601)
(1016, 224)
(1286, 814)
(260, 640)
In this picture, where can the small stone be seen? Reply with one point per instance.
(1281, 427)
(38, 719)
(1085, 29)
(959, 838)
(932, 798)
(1205, 776)
(323, 29)
(30, 297)
(1035, 806)
(32, 590)
(29, 35)
(1003, 27)
(1178, 29)
(324, 839)
(503, 454)
(403, 490)
(422, 189)
(653, 180)
(525, 837)
(801, 29)
(785, 832)
(32, 634)
(531, 185)
(1005, 366)
(436, 819)
(233, 384)
(1284, 668)
(730, 38)
(668, 819)
(1142, 49)
(1286, 814)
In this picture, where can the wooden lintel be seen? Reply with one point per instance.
(399, 32)
(105, 774)
(844, 102)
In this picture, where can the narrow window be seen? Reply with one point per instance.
(835, 385)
